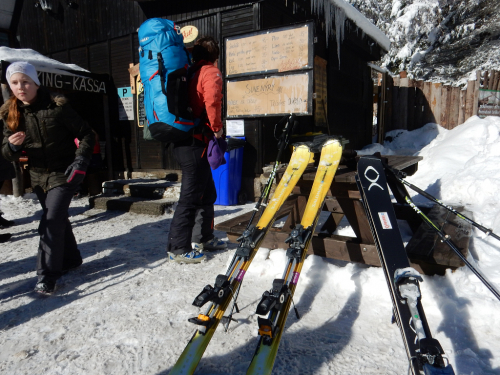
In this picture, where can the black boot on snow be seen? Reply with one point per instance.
(45, 287)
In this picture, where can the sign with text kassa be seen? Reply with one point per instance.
(125, 104)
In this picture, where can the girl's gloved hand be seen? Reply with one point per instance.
(77, 170)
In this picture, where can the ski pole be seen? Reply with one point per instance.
(400, 176)
(283, 141)
(446, 239)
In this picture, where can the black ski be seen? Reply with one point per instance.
(425, 353)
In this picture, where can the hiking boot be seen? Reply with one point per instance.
(191, 257)
(45, 287)
(5, 237)
(213, 244)
(6, 223)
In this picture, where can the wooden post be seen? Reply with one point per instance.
(403, 100)
(419, 104)
(132, 79)
(388, 99)
(435, 102)
(454, 107)
(427, 113)
(476, 93)
(380, 107)
(445, 106)
(491, 83)
(461, 109)
(411, 104)
(396, 108)
(485, 80)
(469, 100)
(496, 84)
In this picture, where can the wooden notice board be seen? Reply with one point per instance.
(277, 50)
(275, 95)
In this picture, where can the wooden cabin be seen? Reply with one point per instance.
(101, 36)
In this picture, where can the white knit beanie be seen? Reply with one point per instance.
(22, 67)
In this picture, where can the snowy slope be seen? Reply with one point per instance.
(125, 310)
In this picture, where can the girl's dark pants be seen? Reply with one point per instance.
(194, 215)
(57, 251)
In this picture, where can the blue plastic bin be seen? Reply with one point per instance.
(227, 177)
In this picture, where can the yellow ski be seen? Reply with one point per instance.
(276, 302)
(226, 285)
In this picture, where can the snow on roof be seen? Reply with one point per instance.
(363, 23)
(39, 61)
(339, 10)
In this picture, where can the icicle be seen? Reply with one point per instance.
(328, 10)
(340, 19)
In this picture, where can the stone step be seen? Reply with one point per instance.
(145, 188)
(137, 205)
(142, 196)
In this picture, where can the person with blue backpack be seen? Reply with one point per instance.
(191, 230)
(183, 104)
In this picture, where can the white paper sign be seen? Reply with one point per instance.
(235, 127)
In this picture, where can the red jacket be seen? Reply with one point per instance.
(205, 91)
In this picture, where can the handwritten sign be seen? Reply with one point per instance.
(270, 51)
(270, 96)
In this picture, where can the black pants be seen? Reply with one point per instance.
(57, 248)
(194, 216)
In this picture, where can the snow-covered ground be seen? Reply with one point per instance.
(125, 310)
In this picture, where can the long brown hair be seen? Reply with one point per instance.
(14, 115)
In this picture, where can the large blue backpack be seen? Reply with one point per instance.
(163, 66)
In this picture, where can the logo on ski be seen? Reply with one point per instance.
(240, 275)
(373, 181)
(384, 220)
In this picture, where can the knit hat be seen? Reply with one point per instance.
(22, 67)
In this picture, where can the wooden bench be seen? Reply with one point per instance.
(343, 199)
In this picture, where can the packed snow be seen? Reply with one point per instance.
(125, 310)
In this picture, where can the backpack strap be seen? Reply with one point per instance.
(160, 72)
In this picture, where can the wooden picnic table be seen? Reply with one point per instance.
(344, 199)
